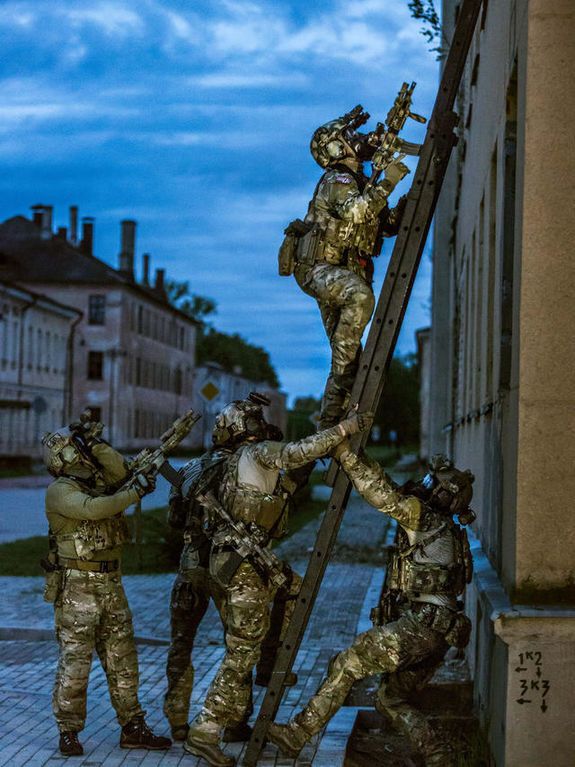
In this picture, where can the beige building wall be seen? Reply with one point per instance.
(35, 336)
(502, 372)
(147, 356)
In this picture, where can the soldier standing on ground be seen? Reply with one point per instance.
(421, 616)
(88, 528)
(250, 491)
(342, 232)
(193, 589)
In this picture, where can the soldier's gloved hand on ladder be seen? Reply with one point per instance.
(355, 423)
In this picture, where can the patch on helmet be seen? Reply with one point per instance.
(343, 179)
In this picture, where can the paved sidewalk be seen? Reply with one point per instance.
(28, 734)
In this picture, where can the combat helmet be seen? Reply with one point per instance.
(63, 453)
(332, 142)
(451, 489)
(242, 420)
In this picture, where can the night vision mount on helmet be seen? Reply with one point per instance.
(243, 419)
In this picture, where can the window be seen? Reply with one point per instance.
(96, 310)
(95, 365)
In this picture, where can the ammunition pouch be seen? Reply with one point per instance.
(91, 536)
(413, 578)
(54, 581)
(294, 232)
(224, 563)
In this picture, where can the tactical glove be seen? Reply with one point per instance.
(395, 171)
(143, 484)
(355, 423)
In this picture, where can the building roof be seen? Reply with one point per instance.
(29, 296)
(25, 256)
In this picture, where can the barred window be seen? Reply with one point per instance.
(97, 310)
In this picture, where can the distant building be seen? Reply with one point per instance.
(503, 367)
(215, 387)
(133, 356)
(36, 342)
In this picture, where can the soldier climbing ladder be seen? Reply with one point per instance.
(432, 166)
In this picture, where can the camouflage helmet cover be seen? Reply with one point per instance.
(330, 142)
(239, 420)
(445, 478)
(61, 451)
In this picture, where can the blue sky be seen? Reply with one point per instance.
(195, 118)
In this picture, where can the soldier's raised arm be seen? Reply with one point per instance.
(375, 487)
(292, 455)
(342, 195)
(64, 498)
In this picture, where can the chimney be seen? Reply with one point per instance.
(146, 269)
(128, 245)
(62, 233)
(74, 224)
(42, 217)
(87, 244)
(160, 274)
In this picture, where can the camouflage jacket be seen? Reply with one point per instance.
(256, 485)
(353, 220)
(85, 520)
(432, 561)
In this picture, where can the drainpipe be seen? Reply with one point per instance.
(69, 385)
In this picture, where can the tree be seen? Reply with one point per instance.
(235, 354)
(194, 306)
(424, 10)
(232, 352)
(399, 407)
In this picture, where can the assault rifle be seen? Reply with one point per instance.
(148, 463)
(385, 138)
(245, 540)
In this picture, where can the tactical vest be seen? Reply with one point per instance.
(97, 535)
(414, 579)
(249, 505)
(198, 476)
(335, 241)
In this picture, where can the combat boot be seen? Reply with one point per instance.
(211, 752)
(237, 733)
(263, 678)
(70, 745)
(290, 738)
(137, 734)
(179, 731)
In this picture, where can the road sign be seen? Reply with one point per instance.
(209, 391)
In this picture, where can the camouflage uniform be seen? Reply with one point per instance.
(251, 491)
(91, 611)
(352, 220)
(410, 646)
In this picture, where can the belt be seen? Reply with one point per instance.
(104, 566)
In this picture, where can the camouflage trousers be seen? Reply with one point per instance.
(408, 651)
(189, 601)
(346, 303)
(92, 613)
(247, 610)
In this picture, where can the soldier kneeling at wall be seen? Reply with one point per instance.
(87, 530)
(421, 616)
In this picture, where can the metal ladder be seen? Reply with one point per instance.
(376, 357)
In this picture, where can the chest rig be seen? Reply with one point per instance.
(90, 536)
(186, 514)
(266, 510)
(412, 579)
